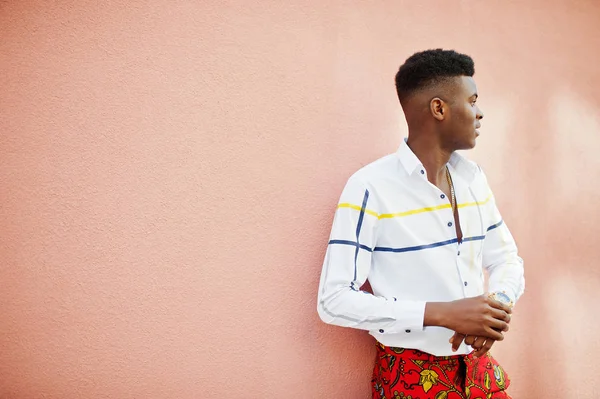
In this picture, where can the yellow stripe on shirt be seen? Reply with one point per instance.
(358, 208)
(412, 212)
(485, 201)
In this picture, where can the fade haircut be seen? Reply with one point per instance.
(428, 68)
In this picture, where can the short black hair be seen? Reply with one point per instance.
(430, 67)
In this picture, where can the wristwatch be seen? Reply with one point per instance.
(502, 298)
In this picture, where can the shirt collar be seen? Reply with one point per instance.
(466, 169)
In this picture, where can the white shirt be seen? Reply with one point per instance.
(396, 229)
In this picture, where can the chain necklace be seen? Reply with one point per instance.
(452, 196)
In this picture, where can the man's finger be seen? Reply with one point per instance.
(470, 339)
(501, 315)
(457, 339)
(452, 338)
(496, 324)
(494, 334)
(478, 343)
(485, 348)
(499, 305)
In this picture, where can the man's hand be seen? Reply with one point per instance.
(481, 345)
(478, 317)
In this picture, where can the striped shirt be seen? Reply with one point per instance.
(396, 229)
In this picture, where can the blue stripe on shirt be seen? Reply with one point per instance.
(405, 249)
(358, 227)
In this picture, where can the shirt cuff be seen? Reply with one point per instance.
(410, 315)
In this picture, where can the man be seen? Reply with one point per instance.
(422, 226)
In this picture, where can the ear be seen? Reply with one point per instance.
(438, 108)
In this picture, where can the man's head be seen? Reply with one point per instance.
(438, 95)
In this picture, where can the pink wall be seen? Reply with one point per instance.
(169, 172)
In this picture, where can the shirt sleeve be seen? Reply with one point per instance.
(346, 267)
(500, 257)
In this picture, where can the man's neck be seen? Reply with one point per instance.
(432, 156)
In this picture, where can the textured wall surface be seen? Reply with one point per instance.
(169, 172)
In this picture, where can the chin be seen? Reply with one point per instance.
(467, 146)
(465, 143)
(472, 142)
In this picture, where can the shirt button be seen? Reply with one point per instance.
(422, 172)
(381, 331)
(449, 224)
(458, 253)
(466, 283)
(407, 331)
(442, 196)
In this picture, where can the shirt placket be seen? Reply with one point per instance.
(449, 216)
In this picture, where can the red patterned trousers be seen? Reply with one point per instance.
(411, 374)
